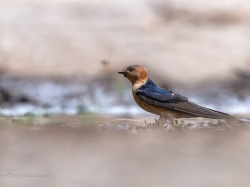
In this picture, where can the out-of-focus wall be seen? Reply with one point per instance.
(179, 39)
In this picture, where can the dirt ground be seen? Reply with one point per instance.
(71, 155)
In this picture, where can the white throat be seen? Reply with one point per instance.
(138, 84)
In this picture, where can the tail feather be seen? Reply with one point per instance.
(199, 111)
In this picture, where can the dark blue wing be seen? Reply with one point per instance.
(160, 94)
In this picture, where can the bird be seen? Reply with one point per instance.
(167, 104)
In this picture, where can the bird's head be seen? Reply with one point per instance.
(135, 73)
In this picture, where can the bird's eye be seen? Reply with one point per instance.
(130, 68)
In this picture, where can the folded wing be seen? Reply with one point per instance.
(174, 101)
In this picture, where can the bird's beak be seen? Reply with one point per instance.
(123, 72)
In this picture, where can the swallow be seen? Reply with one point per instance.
(165, 103)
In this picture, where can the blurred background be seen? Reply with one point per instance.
(58, 76)
(62, 56)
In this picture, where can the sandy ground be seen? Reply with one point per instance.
(59, 155)
(172, 39)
